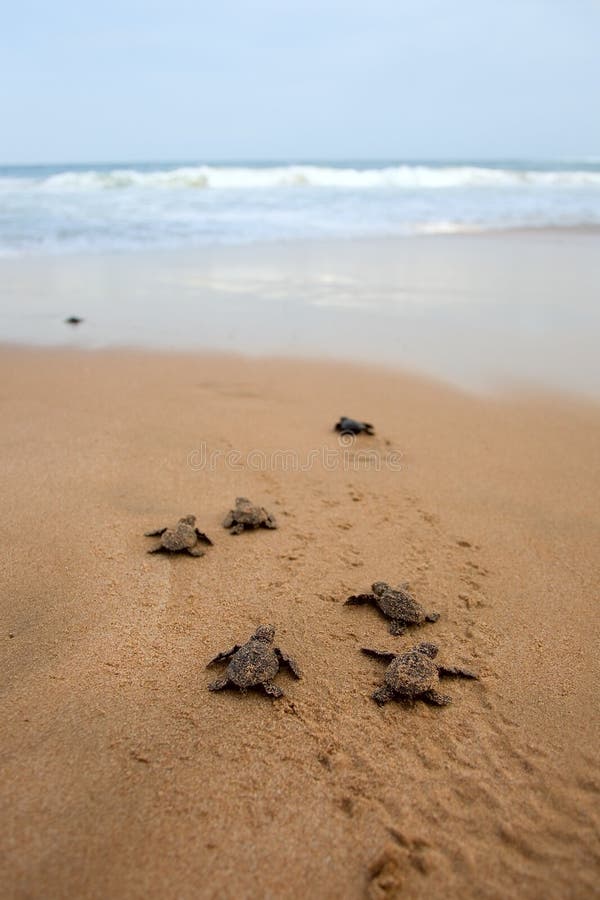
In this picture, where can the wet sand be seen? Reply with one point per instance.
(479, 310)
(123, 777)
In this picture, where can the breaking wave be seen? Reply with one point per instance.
(407, 177)
(81, 208)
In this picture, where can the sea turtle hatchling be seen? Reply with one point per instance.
(353, 426)
(184, 538)
(396, 604)
(254, 664)
(246, 515)
(414, 675)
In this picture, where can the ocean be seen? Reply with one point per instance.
(127, 206)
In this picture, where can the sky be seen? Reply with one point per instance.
(127, 80)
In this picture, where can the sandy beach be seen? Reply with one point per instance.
(122, 776)
(224, 230)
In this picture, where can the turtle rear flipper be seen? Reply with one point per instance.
(436, 698)
(204, 538)
(195, 551)
(358, 599)
(158, 533)
(219, 684)
(158, 549)
(225, 655)
(382, 695)
(289, 661)
(369, 428)
(272, 690)
(397, 627)
(432, 617)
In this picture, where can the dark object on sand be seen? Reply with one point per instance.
(254, 664)
(184, 538)
(73, 320)
(352, 426)
(414, 675)
(395, 604)
(245, 515)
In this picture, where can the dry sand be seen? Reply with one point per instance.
(123, 777)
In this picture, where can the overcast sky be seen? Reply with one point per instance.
(298, 79)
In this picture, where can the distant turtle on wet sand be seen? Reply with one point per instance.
(73, 320)
(184, 538)
(353, 426)
(396, 604)
(254, 664)
(246, 515)
(414, 675)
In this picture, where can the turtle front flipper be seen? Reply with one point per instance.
(432, 617)
(369, 428)
(397, 627)
(382, 695)
(157, 533)
(357, 599)
(436, 698)
(270, 521)
(229, 519)
(203, 537)
(237, 528)
(219, 684)
(289, 661)
(158, 549)
(381, 654)
(225, 655)
(456, 672)
(271, 689)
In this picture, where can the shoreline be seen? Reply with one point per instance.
(153, 786)
(477, 232)
(504, 393)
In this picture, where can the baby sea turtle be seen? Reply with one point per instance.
(396, 604)
(414, 675)
(185, 537)
(246, 515)
(254, 664)
(73, 320)
(353, 426)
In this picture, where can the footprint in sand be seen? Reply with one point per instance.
(394, 866)
(430, 518)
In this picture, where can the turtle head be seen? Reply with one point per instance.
(188, 520)
(379, 588)
(427, 649)
(264, 633)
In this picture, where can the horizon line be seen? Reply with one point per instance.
(588, 158)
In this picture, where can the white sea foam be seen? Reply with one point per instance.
(122, 207)
(408, 177)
